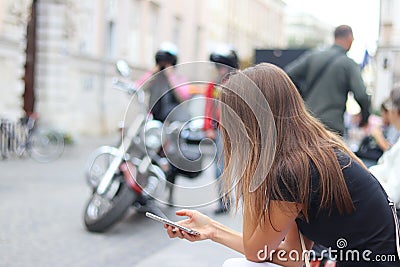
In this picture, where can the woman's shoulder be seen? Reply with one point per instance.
(343, 158)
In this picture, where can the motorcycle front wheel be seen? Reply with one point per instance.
(102, 212)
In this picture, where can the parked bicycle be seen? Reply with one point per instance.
(24, 138)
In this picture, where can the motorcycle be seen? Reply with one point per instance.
(134, 174)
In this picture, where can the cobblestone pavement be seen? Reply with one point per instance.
(41, 221)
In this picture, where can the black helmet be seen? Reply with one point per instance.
(168, 52)
(225, 55)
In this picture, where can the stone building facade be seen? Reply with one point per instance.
(13, 18)
(78, 43)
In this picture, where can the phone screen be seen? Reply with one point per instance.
(166, 221)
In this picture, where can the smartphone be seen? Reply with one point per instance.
(166, 221)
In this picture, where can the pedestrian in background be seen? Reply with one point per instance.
(388, 168)
(328, 77)
(380, 139)
(386, 135)
(226, 60)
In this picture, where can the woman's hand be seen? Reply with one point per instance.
(208, 229)
(196, 221)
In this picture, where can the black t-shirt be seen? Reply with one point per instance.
(366, 237)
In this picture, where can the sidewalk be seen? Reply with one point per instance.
(182, 253)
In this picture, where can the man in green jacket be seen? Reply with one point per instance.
(328, 76)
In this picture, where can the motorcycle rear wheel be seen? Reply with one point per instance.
(101, 213)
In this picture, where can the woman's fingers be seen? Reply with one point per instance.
(196, 221)
(189, 237)
(188, 213)
(173, 232)
(177, 233)
(169, 231)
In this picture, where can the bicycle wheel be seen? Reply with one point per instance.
(46, 145)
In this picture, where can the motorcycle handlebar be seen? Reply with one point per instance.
(129, 88)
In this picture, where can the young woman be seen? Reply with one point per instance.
(309, 184)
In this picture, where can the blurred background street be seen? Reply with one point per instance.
(58, 61)
(41, 222)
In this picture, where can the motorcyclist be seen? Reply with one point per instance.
(226, 60)
(167, 88)
(168, 91)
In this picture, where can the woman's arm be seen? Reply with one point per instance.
(290, 252)
(228, 237)
(380, 139)
(180, 85)
(269, 234)
(255, 239)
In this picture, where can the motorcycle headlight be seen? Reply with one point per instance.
(152, 135)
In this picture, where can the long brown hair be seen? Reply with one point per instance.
(296, 141)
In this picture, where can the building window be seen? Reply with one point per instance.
(134, 53)
(109, 39)
(197, 42)
(152, 33)
(177, 30)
